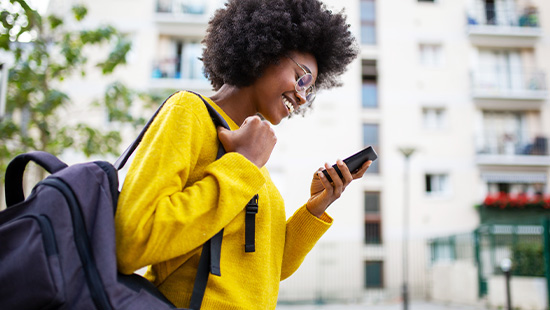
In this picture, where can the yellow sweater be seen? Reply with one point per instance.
(176, 196)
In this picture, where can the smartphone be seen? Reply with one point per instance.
(355, 161)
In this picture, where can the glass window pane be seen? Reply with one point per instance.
(368, 34)
(437, 183)
(372, 202)
(370, 134)
(373, 274)
(368, 11)
(372, 233)
(370, 94)
(371, 137)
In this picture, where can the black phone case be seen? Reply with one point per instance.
(355, 161)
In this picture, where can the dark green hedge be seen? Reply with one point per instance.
(528, 260)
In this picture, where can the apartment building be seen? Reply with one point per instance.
(464, 84)
(461, 82)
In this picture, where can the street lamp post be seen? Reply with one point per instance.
(506, 265)
(407, 152)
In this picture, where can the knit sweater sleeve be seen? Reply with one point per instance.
(303, 230)
(162, 213)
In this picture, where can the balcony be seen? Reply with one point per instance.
(509, 84)
(514, 208)
(490, 26)
(173, 74)
(179, 7)
(171, 15)
(505, 150)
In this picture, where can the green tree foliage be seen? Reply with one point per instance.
(47, 51)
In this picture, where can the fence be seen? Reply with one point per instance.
(528, 246)
(352, 272)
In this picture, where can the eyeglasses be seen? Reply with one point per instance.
(305, 86)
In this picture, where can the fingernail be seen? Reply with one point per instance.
(320, 174)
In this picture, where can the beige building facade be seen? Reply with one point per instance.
(463, 82)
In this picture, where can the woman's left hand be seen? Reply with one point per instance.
(324, 193)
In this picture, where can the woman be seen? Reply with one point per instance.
(263, 57)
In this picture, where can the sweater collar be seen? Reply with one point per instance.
(226, 117)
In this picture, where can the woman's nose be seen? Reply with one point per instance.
(301, 97)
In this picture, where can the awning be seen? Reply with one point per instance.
(514, 177)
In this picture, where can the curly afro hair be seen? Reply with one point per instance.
(247, 36)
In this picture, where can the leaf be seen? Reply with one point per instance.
(55, 21)
(79, 12)
(116, 57)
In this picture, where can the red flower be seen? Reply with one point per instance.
(522, 200)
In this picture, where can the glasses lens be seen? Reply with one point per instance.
(310, 95)
(304, 82)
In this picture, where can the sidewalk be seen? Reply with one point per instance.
(397, 306)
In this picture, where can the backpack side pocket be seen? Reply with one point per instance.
(29, 259)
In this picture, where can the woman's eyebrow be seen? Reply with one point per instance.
(306, 67)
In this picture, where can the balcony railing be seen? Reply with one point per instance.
(507, 83)
(509, 144)
(195, 7)
(490, 16)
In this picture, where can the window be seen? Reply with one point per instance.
(179, 59)
(368, 22)
(437, 184)
(372, 203)
(370, 137)
(374, 274)
(373, 231)
(369, 91)
(443, 249)
(431, 55)
(505, 133)
(433, 118)
(369, 94)
(506, 70)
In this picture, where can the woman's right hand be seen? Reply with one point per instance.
(255, 140)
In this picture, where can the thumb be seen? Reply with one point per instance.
(224, 135)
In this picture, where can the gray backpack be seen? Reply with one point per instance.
(57, 246)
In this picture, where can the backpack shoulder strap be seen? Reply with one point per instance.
(216, 118)
(121, 161)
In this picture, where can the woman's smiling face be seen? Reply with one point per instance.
(275, 94)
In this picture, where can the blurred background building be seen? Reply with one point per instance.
(462, 82)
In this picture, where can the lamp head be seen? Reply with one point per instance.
(506, 265)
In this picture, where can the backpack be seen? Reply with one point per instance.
(57, 248)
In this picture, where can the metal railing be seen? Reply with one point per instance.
(508, 81)
(491, 143)
(490, 15)
(488, 245)
(196, 7)
(352, 272)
